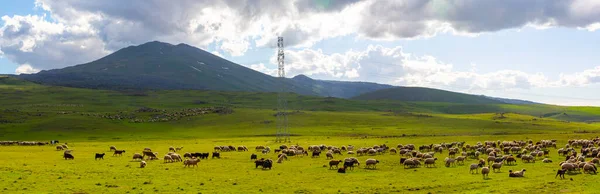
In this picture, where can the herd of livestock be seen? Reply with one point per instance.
(487, 156)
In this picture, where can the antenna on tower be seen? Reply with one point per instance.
(282, 120)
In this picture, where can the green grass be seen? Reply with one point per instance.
(35, 112)
(41, 169)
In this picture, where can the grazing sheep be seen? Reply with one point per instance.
(561, 173)
(167, 158)
(176, 157)
(371, 163)
(430, 161)
(342, 170)
(329, 155)
(334, 163)
(474, 168)
(68, 156)
(350, 162)
(99, 156)
(316, 154)
(65, 146)
(281, 158)
(449, 162)
(59, 148)
(151, 156)
(119, 152)
(268, 163)
(253, 157)
(485, 171)
(546, 160)
(568, 166)
(171, 149)
(137, 156)
(216, 154)
(460, 160)
(350, 152)
(511, 160)
(113, 148)
(589, 168)
(191, 162)
(180, 148)
(142, 164)
(497, 166)
(410, 163)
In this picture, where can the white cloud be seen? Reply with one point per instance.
(82, 31)
(262, 68)
(393, 66)
(26, 69)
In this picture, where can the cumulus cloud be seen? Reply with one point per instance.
(78, 31)
(394, 66)
(26, 69)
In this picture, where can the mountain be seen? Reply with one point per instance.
(157, 65)
(511, 101)
(425, 95)
(337, 88)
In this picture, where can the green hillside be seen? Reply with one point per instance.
(32, 111)
(419, 94)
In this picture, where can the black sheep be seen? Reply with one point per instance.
(267, 164)
(253, 157)
(216, 154)
(259, 162)
(68, 156)
(342, 170)
(99, 156)
(316, 154)
(561, 173)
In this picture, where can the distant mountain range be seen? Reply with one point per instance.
(159, 66)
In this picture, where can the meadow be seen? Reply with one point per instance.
(32, 112)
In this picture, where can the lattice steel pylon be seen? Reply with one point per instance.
(283, 134)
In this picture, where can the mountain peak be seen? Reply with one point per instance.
(302, 77)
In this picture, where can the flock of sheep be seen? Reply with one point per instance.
(488, 156)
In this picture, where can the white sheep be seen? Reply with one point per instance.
(142, 164)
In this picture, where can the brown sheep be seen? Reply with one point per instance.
(113, 148)
(142, 164)
(191, 162)
(334, 163)
(137, 156)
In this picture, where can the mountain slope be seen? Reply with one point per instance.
(339, 89)
(157, 65)
(425, 95)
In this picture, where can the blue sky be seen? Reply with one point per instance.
(542, 53)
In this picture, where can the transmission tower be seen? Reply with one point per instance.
(283, 134)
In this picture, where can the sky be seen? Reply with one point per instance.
(539, 50)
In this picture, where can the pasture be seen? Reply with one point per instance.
(91, 121)
(41, 169)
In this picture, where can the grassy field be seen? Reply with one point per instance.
(40, 113)
(42, 170)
